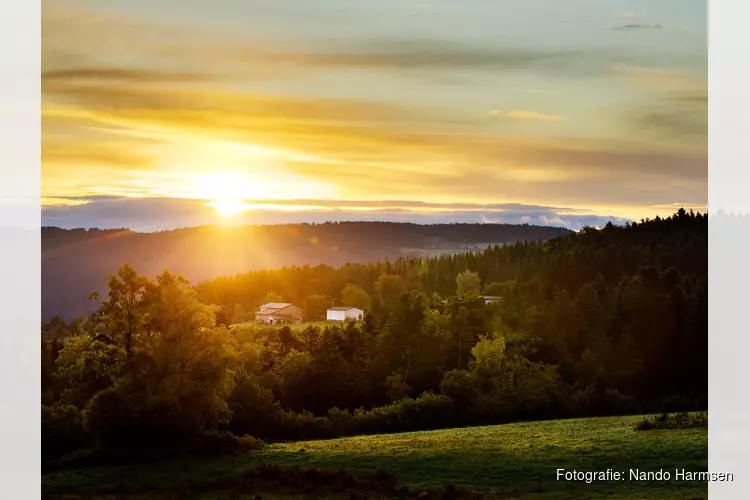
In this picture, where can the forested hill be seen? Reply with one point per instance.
(77, 262)
(619, 311)
(675, 247)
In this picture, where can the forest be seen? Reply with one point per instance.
(606, 321)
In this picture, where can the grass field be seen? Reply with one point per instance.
(508, 461)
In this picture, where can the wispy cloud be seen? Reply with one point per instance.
(95, 74)
(664, 79)
(679, 111)
(78, 38)
(541, 91)
(525, 115)
(627, 27)
(625, 14)
(674, 122)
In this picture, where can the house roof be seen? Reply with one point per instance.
(276, 308)
(492, 297)
(344, 308)
(275, 305)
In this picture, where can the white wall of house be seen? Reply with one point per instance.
(354, 313)
(335, 315)
(265, 318)
(343, 315)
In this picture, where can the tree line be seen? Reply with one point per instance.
(604, 321)
(78, 261)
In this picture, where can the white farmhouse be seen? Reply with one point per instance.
(344, 313)
(275, 313)
(492, 299)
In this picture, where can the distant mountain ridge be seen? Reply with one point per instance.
(76, 262)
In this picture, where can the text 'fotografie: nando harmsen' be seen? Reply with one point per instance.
(641, 475)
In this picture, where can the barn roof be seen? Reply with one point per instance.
(343, 308)
(275, 305)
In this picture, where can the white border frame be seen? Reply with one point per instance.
(729, 242)
(20, 248)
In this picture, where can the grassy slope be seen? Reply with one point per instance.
(515, 460)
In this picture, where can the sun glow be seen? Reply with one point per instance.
(228, 208)
(227, 192)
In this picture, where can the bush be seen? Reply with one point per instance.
(254, 410)
(224, 443)
(62, 430)
(619, 404)
(673, 421)
(599, 402)
(301, 426)
(428, 411)
(677, 403)
(127, 422)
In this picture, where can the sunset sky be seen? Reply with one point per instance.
(161, 114)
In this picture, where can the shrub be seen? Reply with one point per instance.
(224, 443)
(618, 403)
(340, 421)
(303, 425)
(126, 421)
(677, 403)
(62, 430)
(428, 411)
(254, 410)
(673, 421)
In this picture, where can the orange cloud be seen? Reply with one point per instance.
(526, 115)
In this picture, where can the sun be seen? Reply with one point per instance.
(228, 208)
(227, 192)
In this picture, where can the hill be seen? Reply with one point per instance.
(507, 461)
(77, 262)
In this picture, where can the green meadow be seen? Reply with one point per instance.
(517, 460)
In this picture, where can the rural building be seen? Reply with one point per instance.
(344, 313)
(275, 313)
(492, 299)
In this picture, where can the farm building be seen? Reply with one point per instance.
(275, 313)
(344, 313)
(491, 299)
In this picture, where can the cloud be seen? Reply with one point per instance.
(525, 115)
(626, 27)
(697, 99)
(153, 214)
(438, 54)
(664, 79)
(102, 155)
(190, 105)
(88, 39)
(541, 91)
(625, 14)
(678, 111)
(675, 122)
(120, 75)
(359, 146)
